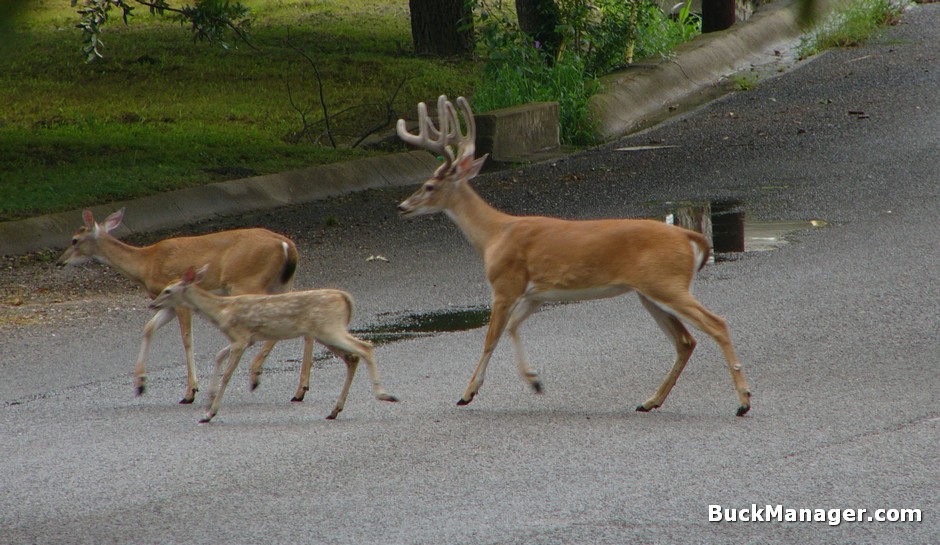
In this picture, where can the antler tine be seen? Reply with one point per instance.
(437, 140)
(445, 134)
(468, 139)
(421, 139)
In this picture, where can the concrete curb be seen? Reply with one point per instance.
(630, 98)
(175, 208)
(635, 96)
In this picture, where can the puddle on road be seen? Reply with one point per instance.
(725, 223)
(401, 326)
(395, 326)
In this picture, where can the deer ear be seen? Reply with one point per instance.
(114, 220)
(201, 273)
(468, 167)
(88, 218)
(189, 275)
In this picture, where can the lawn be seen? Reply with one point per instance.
(163, 112)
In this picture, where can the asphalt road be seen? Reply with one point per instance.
(837, 331)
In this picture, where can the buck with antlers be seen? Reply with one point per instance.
(316, 315)
(529, 260)
(242, 261)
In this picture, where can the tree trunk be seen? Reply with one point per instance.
(441, 28)
(717, 15)
(538, 18)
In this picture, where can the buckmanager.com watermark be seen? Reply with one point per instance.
(832, 517)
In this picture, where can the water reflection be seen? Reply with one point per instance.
(725, 223)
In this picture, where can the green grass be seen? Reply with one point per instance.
(851, 26)
(161, 112)
(745, 81)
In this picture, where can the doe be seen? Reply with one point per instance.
(242, 261)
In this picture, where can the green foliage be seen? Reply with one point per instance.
(209, 20)
(658, 33)
(518, 71)
(160, 112)
(601, 31)
(95, 13)
(10, 11)
(746, 81)
(851, 26)
(594, 40)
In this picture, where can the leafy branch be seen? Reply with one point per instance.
(209, 20)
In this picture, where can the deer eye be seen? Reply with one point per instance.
(74, 241)
(429, 187)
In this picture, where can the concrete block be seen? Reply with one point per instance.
(515, 133)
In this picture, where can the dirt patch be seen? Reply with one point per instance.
(34, 291)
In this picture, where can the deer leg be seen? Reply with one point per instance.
(689, 309)
(524, 309)
(304, 386)
(236, 350)
(360, 349)
(352, 362)
(498, 318)
(185, 317)
(160, 319)
(254, 375)
(684, 344)
(367, 353)
(217, 371)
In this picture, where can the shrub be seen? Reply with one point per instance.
(595, 38)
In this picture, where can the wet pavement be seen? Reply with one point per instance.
(836, 330)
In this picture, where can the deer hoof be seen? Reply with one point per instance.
(333, 414)
(743, 409)
(387, 397)
(300, 397)
(462, 402)
(537, 386)
(189, 398)
(645, 409)
(205, 420)
(140, 390)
